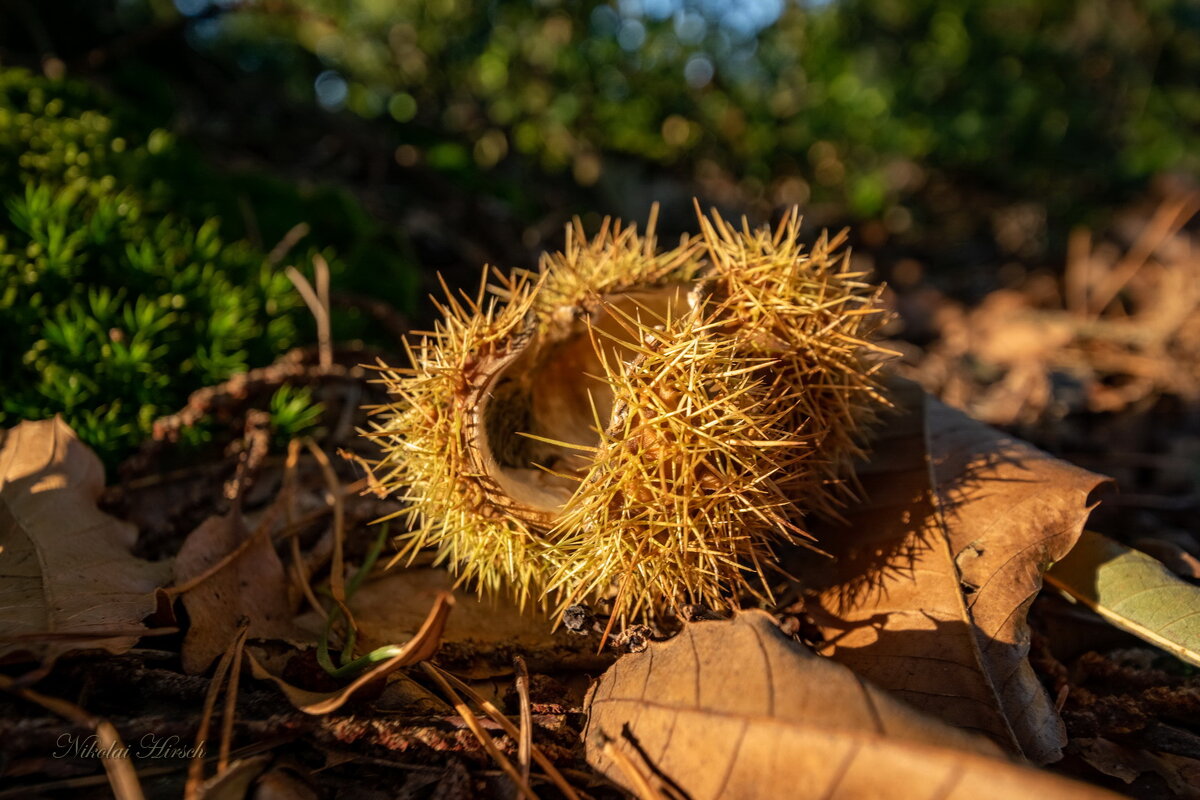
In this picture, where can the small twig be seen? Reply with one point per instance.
(319, 309)
(256, 444)
(337, 576)
(525, 741)
(285, 245)
(1171, 216)
(292, 367)
(503, 721)
(288, 497)
(231, 695)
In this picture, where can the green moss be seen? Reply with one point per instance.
(115, 308)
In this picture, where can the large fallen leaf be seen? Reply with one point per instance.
(67, 578)
(1134, 592)
(734, 709)
(937, 568)
(250, 588)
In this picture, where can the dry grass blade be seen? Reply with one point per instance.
(525, 740)
(318, 304)
(288, 498)
(231, 695)
(193, 789)
(637, 780)
(337, 571)
(285, 245)
(122, 777)
(484, 739)
(498, 716)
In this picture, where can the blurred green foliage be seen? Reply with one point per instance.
(860, 102)
(115, 307)
(936, 120)
(293, 413)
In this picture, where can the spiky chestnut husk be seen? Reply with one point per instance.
(636, 424)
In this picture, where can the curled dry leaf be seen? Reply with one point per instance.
(937, 568)
(67, 577)
(251, 587)
(735, 709)
(422, 646)
(1134, 592)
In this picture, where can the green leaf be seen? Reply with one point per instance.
(1134, 592)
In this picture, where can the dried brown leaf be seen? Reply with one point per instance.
(67, 577)
(422, 646)
(735, 709)
(1181, 774)
(252, 587)
(938, 567)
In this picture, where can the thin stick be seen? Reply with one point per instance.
(1167, 221)
(320, 313)
(231, 694)
(503, 721)
(484, 739)
(195, 778)
(641, 785)
(337, 576)
(325, 339)
(285, 245)
(289, 499)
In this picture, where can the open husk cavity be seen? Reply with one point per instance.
(636, 426)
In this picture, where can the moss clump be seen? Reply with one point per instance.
(114, 308)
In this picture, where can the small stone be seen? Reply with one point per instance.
(578, 619)
(634, 639)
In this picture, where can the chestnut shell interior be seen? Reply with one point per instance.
(554, 388)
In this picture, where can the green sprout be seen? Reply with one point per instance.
(293, 412)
